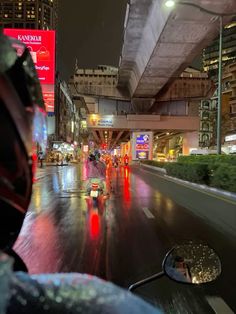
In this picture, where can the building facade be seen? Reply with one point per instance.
(68, 117)
(100, 81)
(208, 113)
(103, 75)
(207, 131)
(229, 108)
(29, 14)
(211, 53)
(33, 14)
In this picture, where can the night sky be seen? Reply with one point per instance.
(91, 31)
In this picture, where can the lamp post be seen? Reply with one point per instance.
(171, 4)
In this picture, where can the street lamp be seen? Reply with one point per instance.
(171, 4)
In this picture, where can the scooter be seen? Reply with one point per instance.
(116, 164)
(189, 263)
(95, 191)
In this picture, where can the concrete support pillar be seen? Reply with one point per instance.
(190, 140)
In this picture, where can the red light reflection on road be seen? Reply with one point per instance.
(126, 185)
(94, 224)
(34, 166)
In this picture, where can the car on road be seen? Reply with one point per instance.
(161, 157)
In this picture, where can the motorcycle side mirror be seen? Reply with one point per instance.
(192, 263)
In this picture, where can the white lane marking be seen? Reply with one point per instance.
(148, 213)
(219, 306)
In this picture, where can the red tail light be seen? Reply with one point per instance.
(34, 166)
(95, 186)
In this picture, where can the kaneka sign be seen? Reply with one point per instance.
(41, 44)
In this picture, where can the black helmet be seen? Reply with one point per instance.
(97, 154)
(22, 122)
(92, 157)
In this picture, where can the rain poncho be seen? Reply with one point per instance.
(96, 169)
(71, 293)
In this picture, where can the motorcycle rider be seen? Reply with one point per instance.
(126, 160)
(115, 161)
(96, 171)
(22, 118)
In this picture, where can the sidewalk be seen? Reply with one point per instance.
(41, 173)
(47, 169)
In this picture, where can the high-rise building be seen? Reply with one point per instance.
(30, 14)
(211, 53)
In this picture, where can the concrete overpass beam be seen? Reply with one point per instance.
(117, 139)
(142, 105)
(146, 21)
(95, 136)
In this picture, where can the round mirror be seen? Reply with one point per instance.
(192, 263)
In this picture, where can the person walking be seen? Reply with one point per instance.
(40, 156)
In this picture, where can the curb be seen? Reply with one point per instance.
(162, 170)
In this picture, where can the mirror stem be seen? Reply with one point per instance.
(145, 281)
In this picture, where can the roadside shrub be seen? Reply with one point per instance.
(209, 159)
(215, 170)
(224, 177)
(193, 172)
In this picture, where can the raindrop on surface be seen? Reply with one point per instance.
(46, 307)
(21, 300)
(58, 299)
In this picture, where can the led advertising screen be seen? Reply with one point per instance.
(42, 47)
(41, 44)
(142, 146)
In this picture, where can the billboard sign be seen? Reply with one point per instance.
(41, 44)
(105, 121)
(142, 145)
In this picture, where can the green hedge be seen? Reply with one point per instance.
(154, 163)
(193, 172)
(209, 159)
(214, 171)
(224, 177)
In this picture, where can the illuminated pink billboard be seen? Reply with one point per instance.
(42, 47)
(41, 44)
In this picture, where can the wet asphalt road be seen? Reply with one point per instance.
(125, 240)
